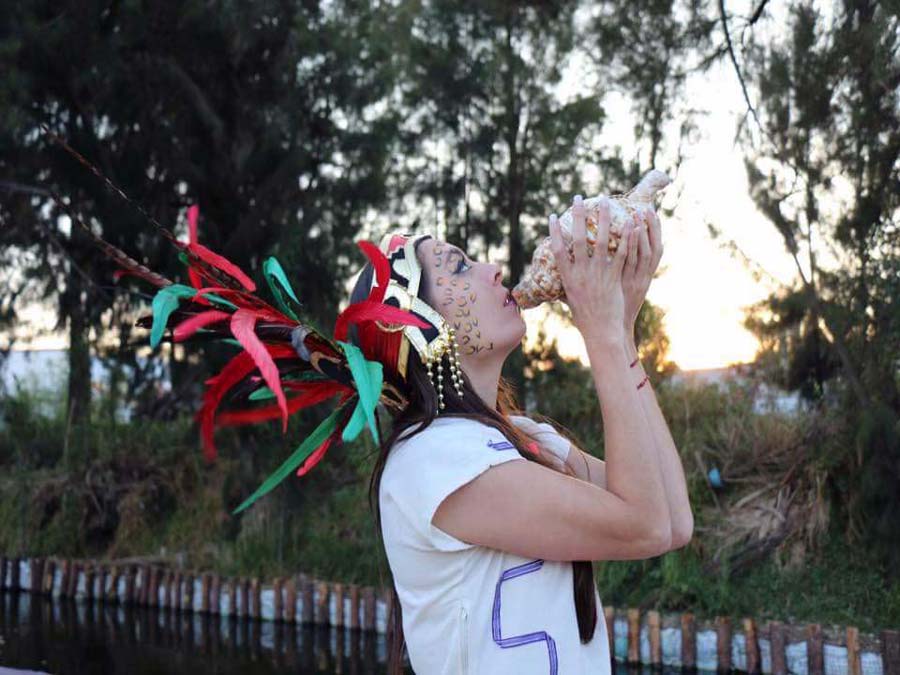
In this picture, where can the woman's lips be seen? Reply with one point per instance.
(510, 300)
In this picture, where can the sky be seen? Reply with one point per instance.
(702, 288)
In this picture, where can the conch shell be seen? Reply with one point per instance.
(541, 281)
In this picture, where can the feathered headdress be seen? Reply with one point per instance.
(286, 365)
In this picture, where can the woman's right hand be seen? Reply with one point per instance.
(593, 283)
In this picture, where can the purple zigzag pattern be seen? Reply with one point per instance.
(527, 638)
(500, 445)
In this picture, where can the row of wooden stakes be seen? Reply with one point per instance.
(777, 633)
(365, 608)
(321, 602)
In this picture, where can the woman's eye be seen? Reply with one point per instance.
(462, 264)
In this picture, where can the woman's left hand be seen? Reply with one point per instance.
(644, 254)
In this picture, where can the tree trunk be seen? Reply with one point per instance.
(78, 399)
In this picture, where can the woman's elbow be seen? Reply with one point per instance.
(681, 534)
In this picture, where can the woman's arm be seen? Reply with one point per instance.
(668, 457)
(587, 467)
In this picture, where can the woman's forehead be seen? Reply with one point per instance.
(437, 251)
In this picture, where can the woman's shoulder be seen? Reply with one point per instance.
(444, 430)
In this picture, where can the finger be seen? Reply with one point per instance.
(643, 245)
(579, 230)
(618, 262)
(654, 230)
(603, 229)
(631, 258)
(557, 247)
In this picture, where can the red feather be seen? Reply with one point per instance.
(323, 392)
(223, 264)
(192, 213)
(368, 310)
(234, 371)
(188, 327)
(243, 323)
(319, 452)
(316, 456)
(382, 267)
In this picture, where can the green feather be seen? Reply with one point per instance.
(368, 376)
(164, 303)
(221, 301)
(279, 285)
(264, 393)
(307, 447)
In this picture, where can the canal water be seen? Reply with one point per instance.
(92, 638)
(64, 637)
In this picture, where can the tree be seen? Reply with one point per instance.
(259, 113)
(823, 168)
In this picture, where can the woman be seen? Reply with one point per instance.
(488, 518)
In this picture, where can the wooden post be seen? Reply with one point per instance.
(609, 615)
(109, 584)
(49, 573)
(322, 602)
(368, 595)
(655, 636)
(853, 664)
(277, 597)
(14, 574)
(634, 636)
(170, 589)
(215, 599)
(306, 588)
(814, 654)
(723, 642)
(153, 590)
(179, 590)
(255, 601)
(338, 592)
(89, 575)
(188, 602)
(354, 607)
(74, 569)
(129, 584)
(142, 585)
(36, 571)
(778, 642)
(244, 585)
(204, 592)
(290, 602)
(754, 661)
(890, 651)
(688, 641)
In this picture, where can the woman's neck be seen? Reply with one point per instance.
(484, 375)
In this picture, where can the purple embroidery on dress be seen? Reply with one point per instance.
(527, 638)
(500, 445)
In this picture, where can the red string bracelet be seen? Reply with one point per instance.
(644, 381)
(633, 363)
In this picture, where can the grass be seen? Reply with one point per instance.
(157, 496)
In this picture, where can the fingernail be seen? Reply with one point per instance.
(553, 219)
(577, 200)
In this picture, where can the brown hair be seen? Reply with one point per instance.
(422, 411)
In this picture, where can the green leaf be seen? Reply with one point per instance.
(368, 376)
(164, 303)
(279, 285)
(307, 447)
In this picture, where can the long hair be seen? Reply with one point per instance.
(422, 410)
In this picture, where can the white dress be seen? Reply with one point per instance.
(467, 608)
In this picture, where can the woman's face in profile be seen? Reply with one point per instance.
(471, 297)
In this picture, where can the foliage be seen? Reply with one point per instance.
(823, 168)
